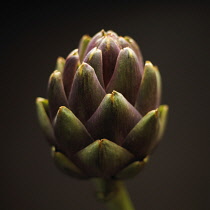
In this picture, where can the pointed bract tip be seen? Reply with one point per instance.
(61, 108)
(156, 113)
(103, 32)
(60, 59)
(128, 39)
(56, 73)
(94, 49)
(54, 76)
(113, 94)
(130, 52)
(39, 99)
(148, 63)
(112, 34)
(83, 67)
(101, 141)
(92, 52)
(166, 107)
(60, 63)
(146, 159)
(74, 52)
(53, 150)
(86, 36)
(126, 48)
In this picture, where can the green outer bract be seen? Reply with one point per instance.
(44, 121)
(132, 169)
(150, 89)
(142, 137)
(70, 132)
(103, 158)
(163, 112)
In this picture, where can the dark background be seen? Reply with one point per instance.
(174, 36)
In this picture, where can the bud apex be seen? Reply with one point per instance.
(94, 59)
(110, 51)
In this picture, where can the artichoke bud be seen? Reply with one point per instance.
(112, 34)
(124, 43)
(102, 115)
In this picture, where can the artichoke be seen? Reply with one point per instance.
(102, 116)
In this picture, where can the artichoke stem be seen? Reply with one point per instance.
(113, 193)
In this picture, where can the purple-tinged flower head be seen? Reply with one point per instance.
(102, 116)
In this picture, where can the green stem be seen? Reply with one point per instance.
(114, 194)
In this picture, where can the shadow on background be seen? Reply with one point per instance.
(175, 37)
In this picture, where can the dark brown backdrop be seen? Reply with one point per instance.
(176, 37)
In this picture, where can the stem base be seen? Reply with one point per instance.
(113, 193)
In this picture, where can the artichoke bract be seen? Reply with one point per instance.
(102, 116)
